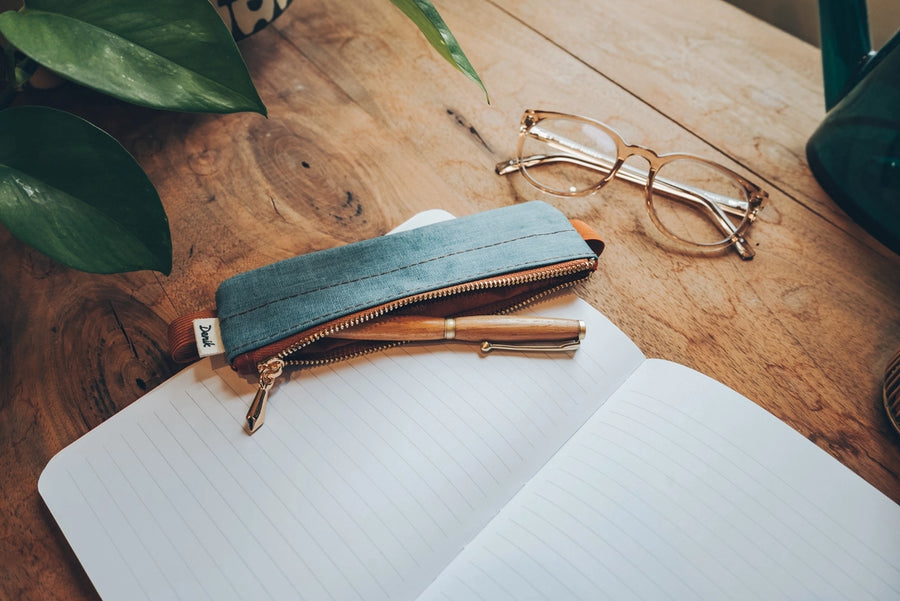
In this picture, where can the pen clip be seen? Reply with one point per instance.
(552, 347)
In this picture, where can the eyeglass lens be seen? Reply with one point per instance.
(698, 202)
(692, 200)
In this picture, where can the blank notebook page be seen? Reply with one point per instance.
(679, 488)
(366, 480)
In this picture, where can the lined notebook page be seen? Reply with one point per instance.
(366, 480)
(679, 488)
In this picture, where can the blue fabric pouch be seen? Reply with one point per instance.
(489, 262)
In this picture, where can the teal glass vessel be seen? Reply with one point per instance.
(855, 152)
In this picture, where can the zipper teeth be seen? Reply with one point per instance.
(533, 299)
(490, 283)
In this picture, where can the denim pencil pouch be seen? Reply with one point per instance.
(287, 314)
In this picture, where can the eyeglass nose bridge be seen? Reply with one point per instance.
(632, 173)
(627, 151)
(645, 178)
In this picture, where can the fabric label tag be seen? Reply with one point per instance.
(208, 337)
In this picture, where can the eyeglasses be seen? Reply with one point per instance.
(690, 199)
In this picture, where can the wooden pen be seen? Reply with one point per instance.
(491, 330)
(494, 332)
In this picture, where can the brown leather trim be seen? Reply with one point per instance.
(182, 343)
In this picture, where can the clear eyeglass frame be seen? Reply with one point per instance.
(731, 216)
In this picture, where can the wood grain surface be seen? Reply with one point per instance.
(367, 126)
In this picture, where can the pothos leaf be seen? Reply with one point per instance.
(74, 193)
(164, 54)
(430, 23)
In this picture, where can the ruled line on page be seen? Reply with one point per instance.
(366, 480)
(769, 490)
(278, 520)
(678, 488)
(76, 486)
(250, 554)
(186, 561)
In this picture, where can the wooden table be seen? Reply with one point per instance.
(367, 126)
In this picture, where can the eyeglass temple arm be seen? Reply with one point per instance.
(713, 204)
(681, 192)
(715, 211)
(603, 163)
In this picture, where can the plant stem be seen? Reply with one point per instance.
(24, 70)
(7, 75)
(16, 71)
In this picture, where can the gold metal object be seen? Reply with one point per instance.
(268, 373)
(891, 390)
(449, 328)
(570, 345)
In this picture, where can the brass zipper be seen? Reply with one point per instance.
(271, 368)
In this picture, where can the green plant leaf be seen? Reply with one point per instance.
(72, 192)
(165, 54)
(430, 23)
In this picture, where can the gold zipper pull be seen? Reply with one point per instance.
(269, 370)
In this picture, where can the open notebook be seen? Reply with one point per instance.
(432, 472)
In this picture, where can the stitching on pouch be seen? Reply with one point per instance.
(376, 275)
(299, 327)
